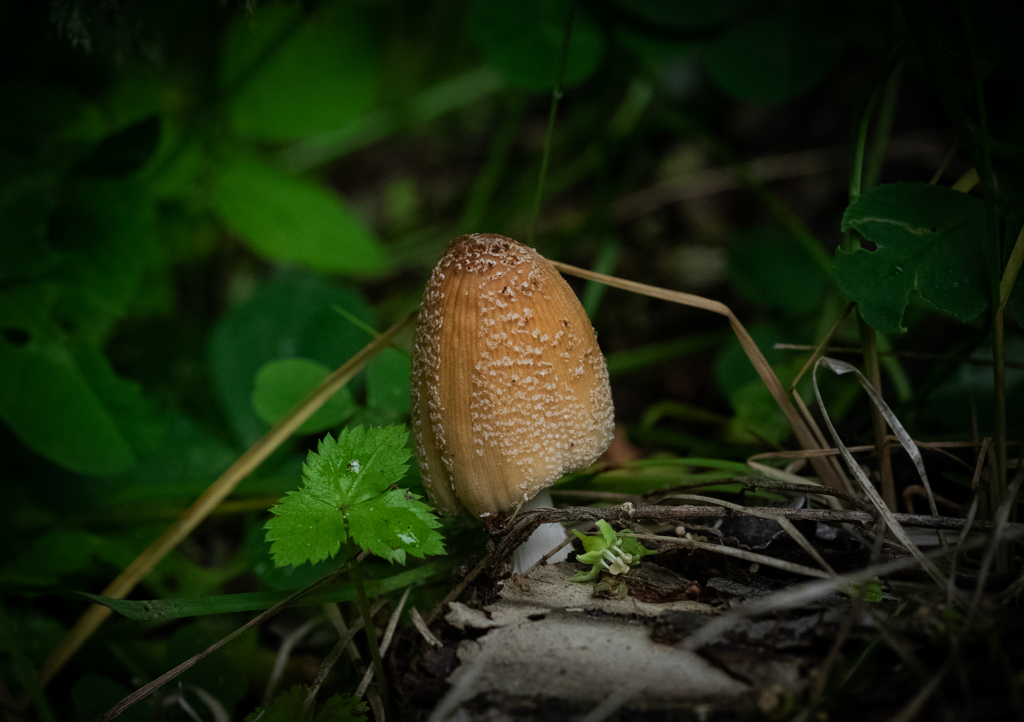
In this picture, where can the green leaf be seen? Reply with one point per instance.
(771, 268)
(309, 525)
(395, 523)
(299, 75)
(387, 382)
(347, 490)
(523, 40)
(591, 543)
(105, 233)
(776, 57)
(290, 316)
(66, 403)
(607, 533)
(929, 239)
(291, 220)
(287, 707)
(280, 385)
(873, 593)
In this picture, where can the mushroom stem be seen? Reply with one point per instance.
(543, 540)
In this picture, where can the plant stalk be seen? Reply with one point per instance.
(860, 180)
(371, 634)
(869, 344)
(556, 95)
(995, 268)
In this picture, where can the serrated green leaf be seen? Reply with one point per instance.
(348, 492)
(293, 220)
(308, 526)
(287, 707)
(929, 239)
(360, 464)
(395, 523)
(343, 708)
(280, 385)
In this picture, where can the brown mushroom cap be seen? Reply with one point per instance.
(509, 388)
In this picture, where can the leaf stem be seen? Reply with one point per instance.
(994, 264)
(371, 634)
(556, 95)
(887, 91)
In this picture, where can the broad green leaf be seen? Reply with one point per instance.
(280, 385)
(66, 404)
(929, 239)
(292, 220)
(775, 57)
(289, 75)
(55, 554)
(290, 316)
(387, 382)
(523, 40)
(772, 269)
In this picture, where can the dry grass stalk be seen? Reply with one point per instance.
(804, 435)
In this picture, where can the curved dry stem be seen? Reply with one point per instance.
(803, 434)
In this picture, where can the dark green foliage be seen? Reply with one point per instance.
(928, 239)
(287, 707)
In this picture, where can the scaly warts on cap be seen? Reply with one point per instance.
(509, 387)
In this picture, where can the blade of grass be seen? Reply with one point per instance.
(166, 677)
(1011, 270)
(125, 582)
(780, 520)
(635, 359)
(841, 367)
(556, 95)
(604, 262)
(761, 365)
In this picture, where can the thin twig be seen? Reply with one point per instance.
(386, 641)
(423, 629)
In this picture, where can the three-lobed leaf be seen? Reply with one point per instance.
(929, 239)
(348, 492)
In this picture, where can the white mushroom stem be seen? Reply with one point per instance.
(542, 541)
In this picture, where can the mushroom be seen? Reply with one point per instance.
(509, 388)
